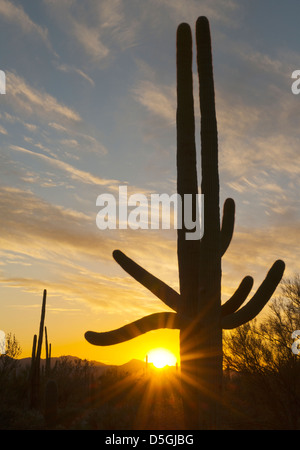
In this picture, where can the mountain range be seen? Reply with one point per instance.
(134, 365)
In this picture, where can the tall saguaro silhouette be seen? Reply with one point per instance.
(199, 314)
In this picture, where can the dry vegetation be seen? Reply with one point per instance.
(261, 383)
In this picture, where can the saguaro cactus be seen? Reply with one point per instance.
(36, 359)
(48, 355)
(199, 314)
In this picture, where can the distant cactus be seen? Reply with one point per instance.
(199, 315)
(32, 357)
(51, 403)
(48, 355)
(36, 359)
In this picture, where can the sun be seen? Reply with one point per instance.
(161, 357)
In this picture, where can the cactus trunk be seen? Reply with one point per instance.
(199, 261)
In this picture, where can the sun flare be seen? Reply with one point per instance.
(161, 357)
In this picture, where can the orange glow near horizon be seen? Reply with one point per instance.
(160, 344)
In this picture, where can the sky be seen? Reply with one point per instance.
(90, 105)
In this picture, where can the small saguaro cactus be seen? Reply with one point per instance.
(48, 355)
(199, 314)
(36, 359)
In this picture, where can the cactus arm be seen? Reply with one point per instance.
(210, 256)
(258, 301)
(185, 120)
(209, 134)
(157, 287)
(46, 343)
(238, 298)
(227, 224)
(32, 365)
(187, 183)
(134, 329)
(33, 349)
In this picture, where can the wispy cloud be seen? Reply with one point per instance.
(90, 40)
(16, 15)
(263, 61)
(219, 10)
(3, 130)
(118, 23)
(97, 28)
(258, 137)
(28, 100)
(73, 172)
(34, 223)
(68, 243)
(69, 69)
(158, 100)
(79, 26)
(253, 250)
(11, 119)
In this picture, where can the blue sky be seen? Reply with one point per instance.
(90, 105)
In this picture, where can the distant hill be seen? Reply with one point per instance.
(133, 365)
